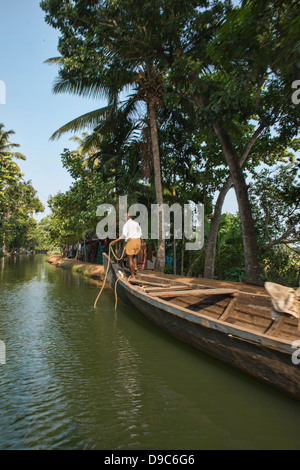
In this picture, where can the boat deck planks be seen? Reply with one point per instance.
(146, 283)
(254, 315)
(234, 309)
(193, 292)
(228, 310)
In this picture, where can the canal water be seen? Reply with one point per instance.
(77, 378)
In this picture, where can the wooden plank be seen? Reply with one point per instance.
(175, 293)
(162, 289)
(228, 309)
(210, 311)
(153, 276)
(199, 284)
(145, 283)
(275, 326)
(173, 282)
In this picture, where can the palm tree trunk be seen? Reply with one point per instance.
(160, 257)
(248, 230)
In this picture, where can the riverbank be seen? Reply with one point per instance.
(93, 271)
(96, 272)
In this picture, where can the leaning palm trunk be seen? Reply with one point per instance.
(210, 255)
(160, 257)
(248, 230)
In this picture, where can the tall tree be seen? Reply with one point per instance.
(108, 46)
(18, 200)
(246, 82)
(9, 171)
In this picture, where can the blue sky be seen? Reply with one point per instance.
(31, 109)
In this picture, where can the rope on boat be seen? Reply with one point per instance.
(107, 268)
(116, 295)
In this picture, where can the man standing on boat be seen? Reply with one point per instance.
(132, 234)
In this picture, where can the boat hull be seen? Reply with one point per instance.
(263, 359)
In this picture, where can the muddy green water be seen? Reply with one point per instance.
(80, 378)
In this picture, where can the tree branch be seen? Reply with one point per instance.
(281, 239)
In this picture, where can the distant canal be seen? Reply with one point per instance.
(79, 378)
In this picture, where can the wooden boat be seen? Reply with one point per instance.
(230, 324)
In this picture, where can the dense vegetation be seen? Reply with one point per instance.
(18, 202)
(199, 100)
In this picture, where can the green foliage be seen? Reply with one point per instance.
(235, 274)
(74, 212)
(229, 250)
(65, 265)
(203, 63)
(257, 49)
(18, 200)
(281, 265)
(275, 198)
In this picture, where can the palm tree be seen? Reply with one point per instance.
(9, 172)
(6, 146)
(146, 88)
(112, 47)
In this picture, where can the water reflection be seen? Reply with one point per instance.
(83, 378)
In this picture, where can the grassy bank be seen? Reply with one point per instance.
(93, 271)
